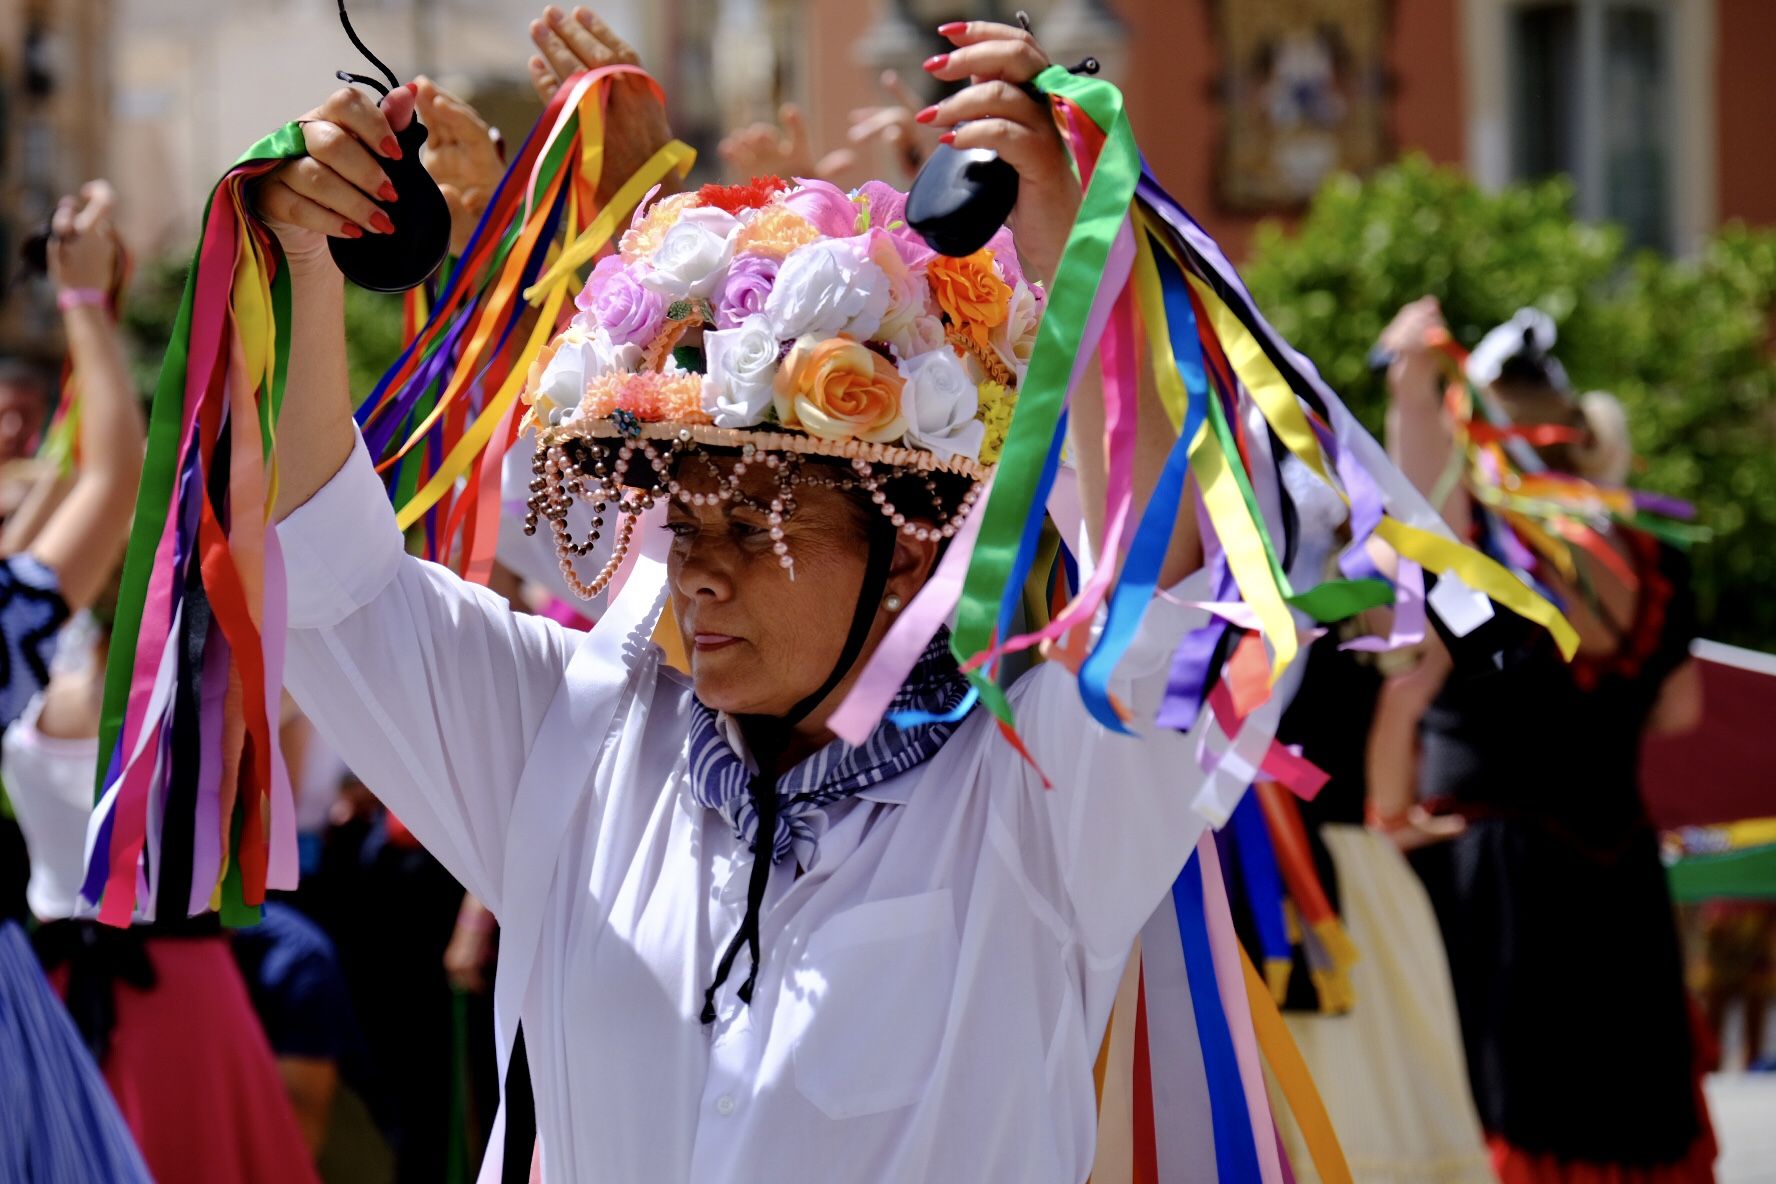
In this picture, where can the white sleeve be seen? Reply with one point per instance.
(430, 688)
(1120, 813)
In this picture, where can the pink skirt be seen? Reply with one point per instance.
(194, 1076)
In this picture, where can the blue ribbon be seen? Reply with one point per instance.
(1263, 881)
(1153, 537)
(1236, 1151)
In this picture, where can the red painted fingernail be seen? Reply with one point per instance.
(927, 115)
(391, 148)
(387, 192)
(382, 223)
(412, 86)
(938, 62)
(946, 138)
(951, 29)
(351, 230)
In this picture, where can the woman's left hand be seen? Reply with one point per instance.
(996, 112)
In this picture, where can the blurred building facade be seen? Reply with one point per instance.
(1657, 108)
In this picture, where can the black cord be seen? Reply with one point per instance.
(768, 736)
(365, 50)
(363, 80)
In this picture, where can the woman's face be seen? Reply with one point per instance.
(759, 641)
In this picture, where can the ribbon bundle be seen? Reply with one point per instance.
(194, 807)
(1138, 268)
(1181, 1076)
(190, 772)
(445, 414)
(1530, 514)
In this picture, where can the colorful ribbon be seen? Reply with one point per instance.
(194, 808)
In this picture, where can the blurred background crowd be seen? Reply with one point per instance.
(1606, 161)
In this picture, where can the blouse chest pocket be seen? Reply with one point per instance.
(873, 985)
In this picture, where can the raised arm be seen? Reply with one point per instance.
(82, 540)
(996, 112)
(1418, 438)
(430, 689)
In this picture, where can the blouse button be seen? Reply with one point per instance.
(724, 1105)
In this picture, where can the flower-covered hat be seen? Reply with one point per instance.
(779, 321)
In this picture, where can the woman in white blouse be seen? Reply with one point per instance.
(938, 950)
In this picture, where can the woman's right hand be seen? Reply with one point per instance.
(331, 192)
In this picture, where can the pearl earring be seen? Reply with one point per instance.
(892, 603)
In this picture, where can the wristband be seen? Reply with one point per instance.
(69, 298)
(1386, 824)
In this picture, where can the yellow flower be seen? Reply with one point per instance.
(838, 389)
(996, 405)
(775, 231)
(970, 292)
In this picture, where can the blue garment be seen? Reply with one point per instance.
(32, 612)
(293, 976)
(58, 1123)
(719, 777)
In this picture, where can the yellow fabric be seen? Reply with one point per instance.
(674, 157)
(480, 432)
(1294, 1080)
(1246, 555)
(1263, 381)
(1436, 553)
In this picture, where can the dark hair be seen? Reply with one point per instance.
(924, 497)
(22, 372)
(1531, 400)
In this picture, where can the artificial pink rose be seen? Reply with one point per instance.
(615, 300)
(825, 206)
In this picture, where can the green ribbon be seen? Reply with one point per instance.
(1338, 600)
(1036, 417)
(160, 475)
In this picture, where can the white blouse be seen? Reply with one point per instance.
(934, 988)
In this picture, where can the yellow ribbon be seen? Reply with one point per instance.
(676, 156)
(1262, 380)
(1294, 1080)
(481, 431)
(1435, 553)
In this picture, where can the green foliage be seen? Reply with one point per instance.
(1685, 344)
(372, 325)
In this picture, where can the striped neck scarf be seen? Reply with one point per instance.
(719, 775)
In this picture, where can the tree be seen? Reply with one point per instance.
(1685, 344)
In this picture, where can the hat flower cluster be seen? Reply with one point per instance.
(802, 311)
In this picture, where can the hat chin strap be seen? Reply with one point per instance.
(767, 735)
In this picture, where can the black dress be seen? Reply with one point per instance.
(1553, 902)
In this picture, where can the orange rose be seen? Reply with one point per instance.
(839, 389)
(970, 292)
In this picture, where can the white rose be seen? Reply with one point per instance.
(563, 380)
(1016, 338)
(913, 336)
(939, 403)
(582, 357)
(694, 254)
(741, 366)
(604, 356)
(825, 289)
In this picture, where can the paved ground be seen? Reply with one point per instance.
(1743, 1106)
